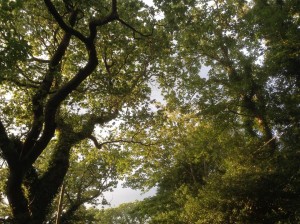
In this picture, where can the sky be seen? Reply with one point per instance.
(148, 2)
(124, 195)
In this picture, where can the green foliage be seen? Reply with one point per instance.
(124, 214)
(228, 142)
(222, 147)
(68, 68)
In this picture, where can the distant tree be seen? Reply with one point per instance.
(128, 213)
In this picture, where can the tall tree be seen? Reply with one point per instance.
(250, 97)
(67, 67)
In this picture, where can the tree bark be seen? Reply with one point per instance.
(16, 197)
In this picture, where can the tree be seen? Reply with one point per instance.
(190, 150)
(67, 67)
(124, 214)
(251, 99)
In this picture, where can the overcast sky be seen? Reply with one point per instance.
(124, 195)
(149, 2)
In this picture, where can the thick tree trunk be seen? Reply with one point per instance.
(33, 206)
(50, 183)
(16, 197)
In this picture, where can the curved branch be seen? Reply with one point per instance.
(95, 141)
(88, 128)
(103, 21)
(55, 101)
(41, 94)
(92, 25)
(68, 29)
(113, 15)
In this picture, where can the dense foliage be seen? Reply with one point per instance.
(229, 149)
(222, 146)
(68, 68)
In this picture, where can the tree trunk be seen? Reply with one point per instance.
(16, 198)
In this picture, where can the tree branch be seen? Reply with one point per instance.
(41, 94)
(20, 83)
(21, 72)
(39, 60)
(55, 101)
(88, 128)
(68, 29)
(95, 141)
(113, 15)
(133, 29)
(99, 145)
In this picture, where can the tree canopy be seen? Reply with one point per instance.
(229, 147)
(76, 113)
(68, 68)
